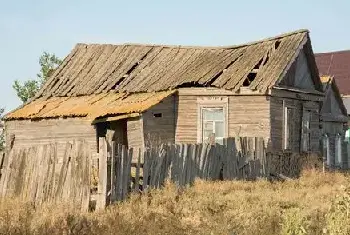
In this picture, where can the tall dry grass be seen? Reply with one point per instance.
(316, 203)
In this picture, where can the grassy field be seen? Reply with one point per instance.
(317, 203)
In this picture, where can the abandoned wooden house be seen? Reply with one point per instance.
(334, 124)
(142, 95)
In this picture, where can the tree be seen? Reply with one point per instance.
(48, 63)
(2, 137)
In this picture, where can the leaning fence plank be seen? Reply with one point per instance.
(146, 170)
(137, 172)
(183, 165)
(102, 179)
(158, 161)
(113, 172)
(119, 172)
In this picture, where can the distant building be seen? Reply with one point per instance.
(337, 65)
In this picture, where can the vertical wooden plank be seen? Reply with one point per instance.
(192, 166)
(188, 164)
(202, 160)
(183, 165)
(119, 171)
(171, 159)
(197, 161)
(102, 179)
(125, 172)
(158, 162)
(146, 169)
(86, 179)
(127, 178)
(206, 162)
(176, 164)
(164, 168)
(5, 171)
(113, 172)
(137, 175)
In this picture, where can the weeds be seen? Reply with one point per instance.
(317, 203)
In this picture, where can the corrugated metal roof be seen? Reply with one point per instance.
(337, 64)
(91, 106)
(94, 69)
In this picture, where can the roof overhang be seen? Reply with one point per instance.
(91, 107)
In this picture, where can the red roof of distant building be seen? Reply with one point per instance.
(336, 64)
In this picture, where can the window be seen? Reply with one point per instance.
(338, 152)
(306, 133)
(213, 124)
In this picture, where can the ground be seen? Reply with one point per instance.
(316, 203)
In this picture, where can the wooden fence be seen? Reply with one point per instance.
(37, 174)
(123, 170)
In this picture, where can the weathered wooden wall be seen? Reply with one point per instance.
(135, 132)
(159, 123)
(277, 127)
(28, 133)
(247, 116)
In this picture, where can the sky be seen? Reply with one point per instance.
(28, 28)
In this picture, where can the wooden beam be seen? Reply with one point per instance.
(284, 93)
(115, 118)
(205, 91)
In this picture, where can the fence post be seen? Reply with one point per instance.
(113, 171)
(102, 169)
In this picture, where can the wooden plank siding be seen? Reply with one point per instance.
(159, 123)
(134, 132)
(28, 133)
(247, 116)
(277, 127)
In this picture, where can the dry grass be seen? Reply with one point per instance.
(316, 203)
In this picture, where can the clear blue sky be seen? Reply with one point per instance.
(27, 28)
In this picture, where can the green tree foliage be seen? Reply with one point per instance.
(2, 137)
(26, 90)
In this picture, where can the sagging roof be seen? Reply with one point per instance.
(329, 83)
(336, 64)
(98, 68)
(90, 106)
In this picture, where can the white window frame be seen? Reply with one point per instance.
(306, 144)
(211, 102)
(286, 131)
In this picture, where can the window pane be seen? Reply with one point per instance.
(208, 130)
(219, 140)
(219, 129)
(208, 125)
(213, 114)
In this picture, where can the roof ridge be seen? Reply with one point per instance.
(333, 52)
(202, 47)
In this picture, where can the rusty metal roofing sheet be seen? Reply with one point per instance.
(91, 107)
